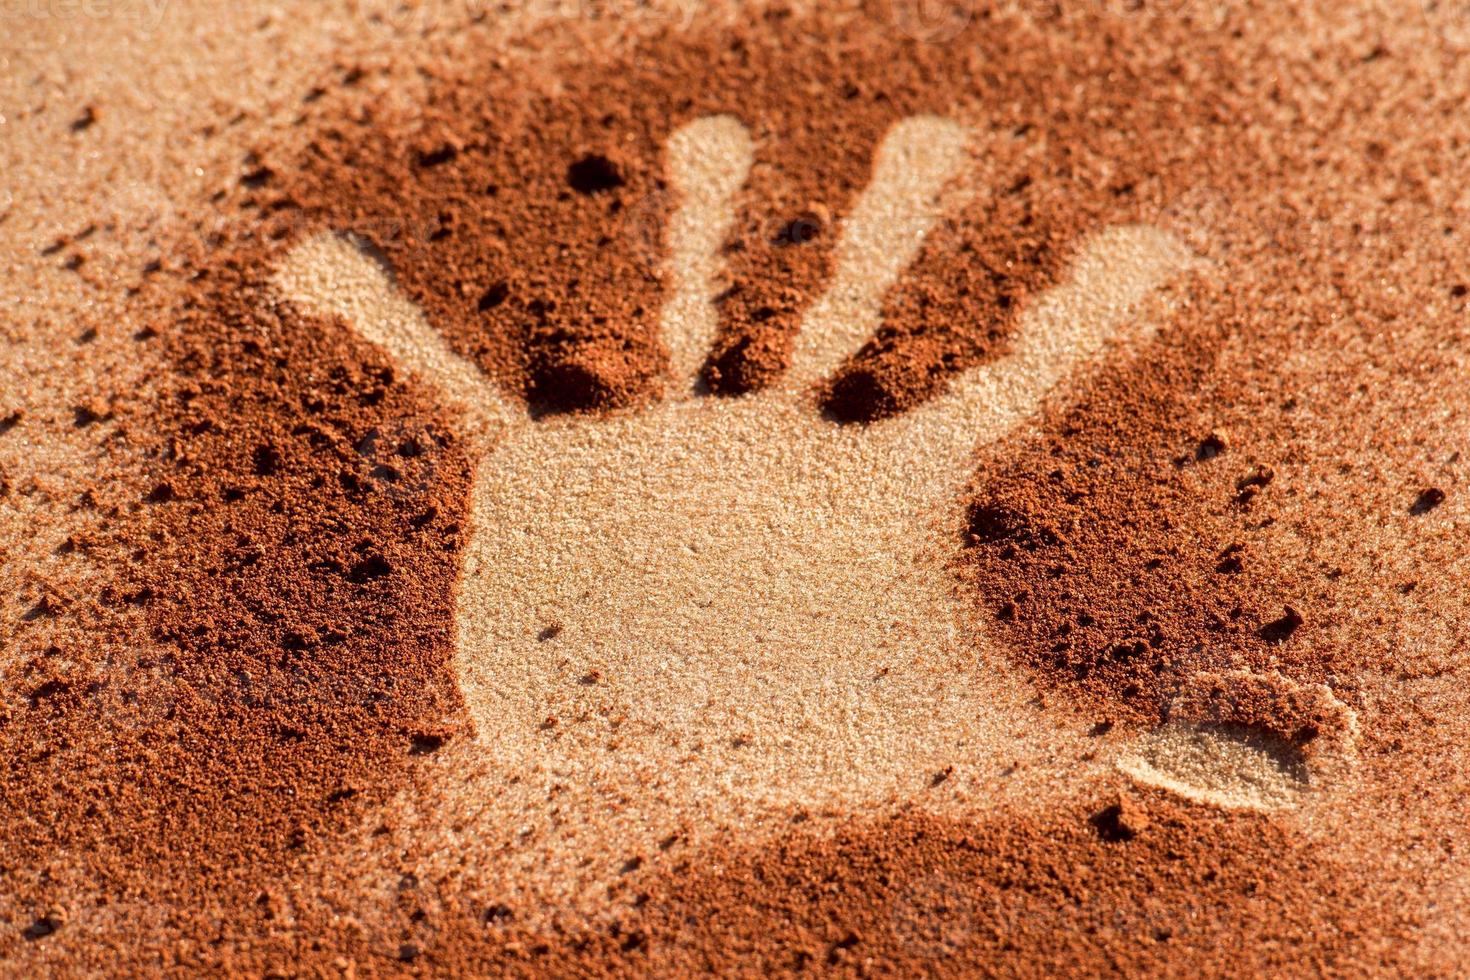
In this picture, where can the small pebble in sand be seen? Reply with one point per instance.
(1280, 630)
(1212, 445)
(1427, 500)
(48, 922)
(1257, 476)
(1124, 820)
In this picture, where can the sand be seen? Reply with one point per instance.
(635, 625)
(533, 553)
(1219, 767)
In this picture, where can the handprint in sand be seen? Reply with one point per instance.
(739, 597)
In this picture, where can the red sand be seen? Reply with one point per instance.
(1274, 484)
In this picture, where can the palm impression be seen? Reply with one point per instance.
(739, 598)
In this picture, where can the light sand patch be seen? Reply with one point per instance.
(1239, 739)
(717, 609)
(917, 160)
(1224, 766)
(709, 159)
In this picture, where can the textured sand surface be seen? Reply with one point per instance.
(1121, 632)
(717, 610)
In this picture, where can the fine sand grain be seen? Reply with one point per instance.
(758, 490)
